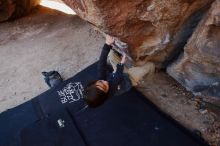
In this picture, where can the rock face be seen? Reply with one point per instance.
(198, 68)
(10, 9)
(153, 29)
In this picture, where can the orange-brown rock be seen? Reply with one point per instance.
(10, 9)
(153, 29)
(198, 68)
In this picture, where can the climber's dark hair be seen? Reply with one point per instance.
(93, 95)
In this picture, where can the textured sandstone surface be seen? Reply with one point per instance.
(152, 28)
(198, 68)
(10, 9)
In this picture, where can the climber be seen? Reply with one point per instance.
(110, 82)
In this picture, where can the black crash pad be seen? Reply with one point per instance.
(13, 121)
(48, 132)
(128, 119)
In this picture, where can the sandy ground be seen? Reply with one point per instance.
(188, 110)
(42, 41)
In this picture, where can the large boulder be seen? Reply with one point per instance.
(10, 9)
(198, 69)
(153, 29)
